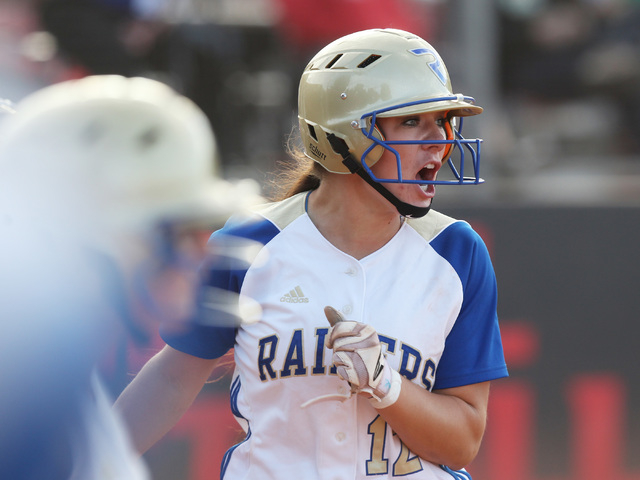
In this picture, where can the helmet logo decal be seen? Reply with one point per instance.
(436, 65)
(316, 151)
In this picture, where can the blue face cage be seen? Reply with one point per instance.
(456, 160)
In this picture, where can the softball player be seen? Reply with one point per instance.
(377, 335)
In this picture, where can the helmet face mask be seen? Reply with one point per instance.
(460, 154)
(374, 74)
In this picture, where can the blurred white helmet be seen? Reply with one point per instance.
(131, 149)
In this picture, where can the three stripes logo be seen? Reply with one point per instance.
(294, 296)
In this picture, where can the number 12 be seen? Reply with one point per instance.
(378, 464)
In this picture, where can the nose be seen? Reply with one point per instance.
(433, 135)
(436, 133)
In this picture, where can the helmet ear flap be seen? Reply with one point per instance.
(378, 133)
(449, 132)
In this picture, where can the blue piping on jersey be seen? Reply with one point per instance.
(457, 474)
(235, 390)
(306, 201)
(227, 455)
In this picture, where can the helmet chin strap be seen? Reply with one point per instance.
(405, 209)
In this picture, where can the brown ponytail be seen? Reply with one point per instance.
(297, 174)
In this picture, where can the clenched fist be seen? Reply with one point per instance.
(357, 355)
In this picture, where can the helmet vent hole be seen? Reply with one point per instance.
(148, 138)
(368, 61)
(312, 132)
(333, 61)
(92, 132)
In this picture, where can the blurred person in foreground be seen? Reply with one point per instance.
(105, 184)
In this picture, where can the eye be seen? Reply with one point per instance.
(411, 121)
(441, 122)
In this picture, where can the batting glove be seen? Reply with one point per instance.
(357, 355)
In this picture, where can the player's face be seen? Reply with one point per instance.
(419, 162)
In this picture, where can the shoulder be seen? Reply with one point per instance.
(263, 222)
(455, 240)
(435, 223)
(284, 212)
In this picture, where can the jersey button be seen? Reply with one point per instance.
(340, 436)
(350, 271)
(347, 309)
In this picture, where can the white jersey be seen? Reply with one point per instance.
(430, 293)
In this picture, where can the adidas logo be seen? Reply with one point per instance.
(294, 296)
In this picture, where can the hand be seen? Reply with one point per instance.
(357, 354)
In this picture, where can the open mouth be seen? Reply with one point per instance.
(427, 173)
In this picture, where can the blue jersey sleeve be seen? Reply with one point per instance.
(473, 349)
(211, 332)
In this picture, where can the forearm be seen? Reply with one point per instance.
(444, 427)
(159, 395)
